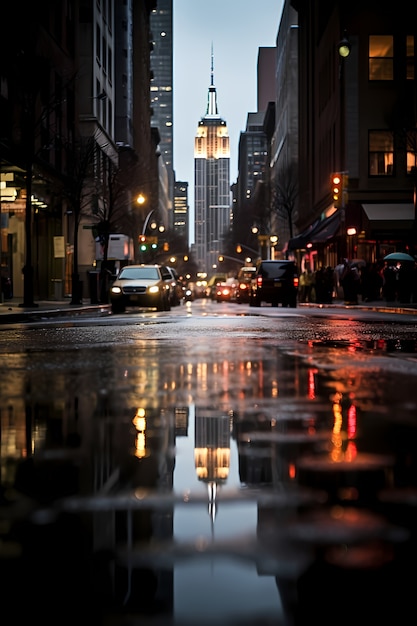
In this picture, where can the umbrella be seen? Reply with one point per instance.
(398, 256)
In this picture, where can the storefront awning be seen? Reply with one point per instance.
(301, 240)
(389, 213)
(319, 232)
(327, 228)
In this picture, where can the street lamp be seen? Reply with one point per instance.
(141, 199)
(344, 47)
(146, 222)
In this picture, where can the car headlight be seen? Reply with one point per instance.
(115, 290)
(154, 289)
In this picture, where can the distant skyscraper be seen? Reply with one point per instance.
(181, 210)
(161, 86)
(212, 197)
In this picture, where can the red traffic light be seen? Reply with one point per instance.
(336, 187)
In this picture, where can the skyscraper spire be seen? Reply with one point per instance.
(212, 95)
(212, 66)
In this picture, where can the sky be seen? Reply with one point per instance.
(235, 29)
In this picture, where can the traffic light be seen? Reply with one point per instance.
(337, 189)
(143, 245)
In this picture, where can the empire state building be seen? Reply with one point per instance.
(212, 197)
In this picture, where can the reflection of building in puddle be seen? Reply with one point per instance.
(181, 420)
(212, 451)
(139, 422)
(337, 452)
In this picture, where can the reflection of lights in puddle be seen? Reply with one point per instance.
(141, 494)
(373, 345)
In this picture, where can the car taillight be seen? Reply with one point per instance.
(259, 281)
(295, 281)
(242, 286)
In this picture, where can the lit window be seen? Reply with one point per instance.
(381, 57)
(411, 150)
(381, 153)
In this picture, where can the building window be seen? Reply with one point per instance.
(381, 153)
(381, 57)
(411, 150)
(410, 57)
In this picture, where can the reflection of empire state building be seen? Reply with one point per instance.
(212, 204)
(212, 451)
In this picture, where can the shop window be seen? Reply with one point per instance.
(381, 153)
(411, 150)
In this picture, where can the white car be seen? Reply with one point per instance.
(141, 286)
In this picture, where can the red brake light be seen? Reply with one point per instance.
(295, 281)
(259, 281)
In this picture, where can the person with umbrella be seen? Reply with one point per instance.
(399, 279)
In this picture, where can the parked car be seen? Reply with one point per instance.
(244, 279)
(175, 292)
(226, 290)
(141, 286)
(275, 282)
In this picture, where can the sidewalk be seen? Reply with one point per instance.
(12, 311)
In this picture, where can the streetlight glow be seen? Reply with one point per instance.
(344, 46)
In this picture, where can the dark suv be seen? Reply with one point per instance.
(275, 282)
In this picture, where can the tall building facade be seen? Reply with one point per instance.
(181, 210)
(212, 197)
(161, 23)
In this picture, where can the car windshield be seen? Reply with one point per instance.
(134, 273)
(246, 274)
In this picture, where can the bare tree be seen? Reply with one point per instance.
(112, 214)
(284, 194)
(80, 191)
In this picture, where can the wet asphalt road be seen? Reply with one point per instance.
(200, 466)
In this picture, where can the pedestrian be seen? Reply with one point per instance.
(306, 285)
(371, 283)
(405, 282)
(6, 287)
(302, 291)
(350, 281)
(390, 287)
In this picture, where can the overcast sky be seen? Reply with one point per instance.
(235, 29)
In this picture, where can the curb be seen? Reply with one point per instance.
(15, 315)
